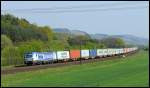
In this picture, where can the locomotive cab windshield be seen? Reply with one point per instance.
(28, 57)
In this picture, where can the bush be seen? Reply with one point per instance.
(30, 46)
(5, 41)
(10, 56)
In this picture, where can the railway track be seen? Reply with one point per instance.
(37, 67)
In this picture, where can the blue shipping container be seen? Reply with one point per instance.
(93, 53)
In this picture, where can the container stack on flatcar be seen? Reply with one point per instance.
(74, 54)
(84, 54)
(101, 52)
(63, 55)
(92, 53)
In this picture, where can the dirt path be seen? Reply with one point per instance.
(37, 67)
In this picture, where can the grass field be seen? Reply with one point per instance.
(129, 71)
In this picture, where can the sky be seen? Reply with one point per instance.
(111, 22)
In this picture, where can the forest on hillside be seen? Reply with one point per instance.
(19, 36)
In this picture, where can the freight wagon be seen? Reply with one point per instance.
(63, 55)
(102, 52)
(110, 52)
(92, 53)
(84, 54)
(125, 50)
(74, 54)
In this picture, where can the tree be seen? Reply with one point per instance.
(101, 45)
(31, 46)
(146, 48)
(111, 42)
(47, 31)
(10, 56)
(8, 18)
(5, 41)
(24, 23)
(21, 30)
(77, 40)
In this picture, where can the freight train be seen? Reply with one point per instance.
(72, 55)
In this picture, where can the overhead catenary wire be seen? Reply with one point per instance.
(92, 10)
(83, 8)
(88, 10)
(77, 7)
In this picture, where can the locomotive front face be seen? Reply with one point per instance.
(28, 58)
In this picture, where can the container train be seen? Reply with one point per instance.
(50, 57)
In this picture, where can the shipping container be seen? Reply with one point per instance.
(125, 50)
(116, 51)
(74, 54)
(128, 49)
(113, 51)
(85, 53)
(93, 53)
(54, 56)
(63, 55)
(109, 51)
(132, 49)
(105, 52)
(100, 52)
(121, 50)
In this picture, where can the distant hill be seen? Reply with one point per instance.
(129, 39)
(71, 32)
(98, 36)
(62, 30)
(78, 32)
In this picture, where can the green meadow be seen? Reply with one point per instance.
(121, 72)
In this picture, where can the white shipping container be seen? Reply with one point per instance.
(125, 50)
(129, 49)
(101, 52)
(117, 51)
(110, 51)
(105, 51)
(113, 51)
(121, 50)
(63, 55)
(54, 56)
(84, 53)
